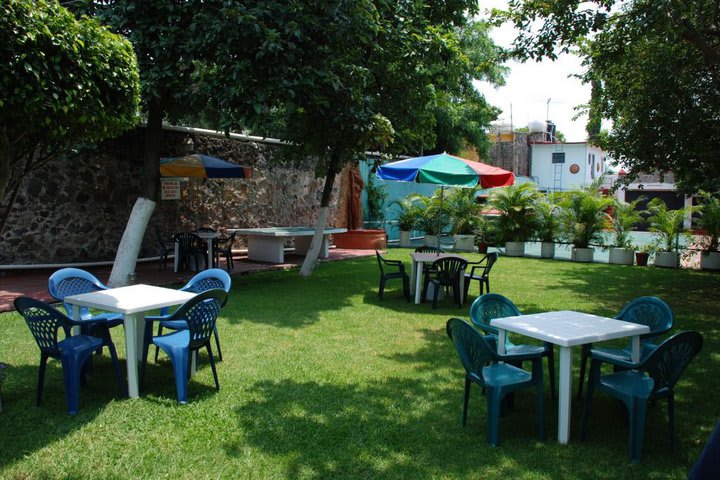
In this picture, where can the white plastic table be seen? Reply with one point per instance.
(267, 244)
(418, 260)
(568, 329)
(132, 301)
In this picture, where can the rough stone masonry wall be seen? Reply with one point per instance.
(76, 209)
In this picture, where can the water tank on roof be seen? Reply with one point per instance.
(536, 126)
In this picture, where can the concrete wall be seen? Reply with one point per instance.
(75, 210)
(583, 164)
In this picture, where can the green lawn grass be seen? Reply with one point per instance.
(321, 379)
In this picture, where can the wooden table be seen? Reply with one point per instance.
(268, 244)
(132, 301)
(568, 329)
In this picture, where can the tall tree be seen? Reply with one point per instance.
(64, 81)
(654, 66)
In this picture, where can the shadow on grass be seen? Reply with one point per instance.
(26, 428)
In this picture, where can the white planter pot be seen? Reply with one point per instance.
(464, 243)
(514, 249)
(431, 240)
(404, 238)
(710, 260)
(547, 250)
(584, 255)
(666, 259)
(621, 256)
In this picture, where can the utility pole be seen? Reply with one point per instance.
(547, 110)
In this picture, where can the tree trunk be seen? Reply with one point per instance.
(129, 248)
(153, 137)
(316, 243)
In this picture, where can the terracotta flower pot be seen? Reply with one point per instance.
(641, 258)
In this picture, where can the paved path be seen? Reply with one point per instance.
(33, 282)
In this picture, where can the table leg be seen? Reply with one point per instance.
(413, 272)
(635, 356)
(176, 263)
(418, 281)
(266, 249)
(130, 322)
(502, 339)
(210, 253)
(564, 394)
(75, 330)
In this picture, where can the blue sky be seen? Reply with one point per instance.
(530, 85)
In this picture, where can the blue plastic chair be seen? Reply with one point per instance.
(74, 351)
(74, 281)
(650, 311)
(482, 367)
(491, 306)
(199, 315)
(203, 281)
(651, 379)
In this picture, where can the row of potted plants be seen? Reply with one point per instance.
(578, 217)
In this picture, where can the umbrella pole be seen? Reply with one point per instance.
(442, 198)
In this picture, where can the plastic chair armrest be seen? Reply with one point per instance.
(613, 359)
(509, 357)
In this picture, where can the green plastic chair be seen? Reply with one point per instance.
(482, 366)
(445, 272)
(492, 305)
(650, 311)
(651, 379)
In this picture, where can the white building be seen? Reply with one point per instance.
(564, 166)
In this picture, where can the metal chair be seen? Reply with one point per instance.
(639, 383)
(74, 352)
(492, 305)
(446, 272)
(495, 374)
(650, 311)
(480, 271)
(199, 314)
(400, 273)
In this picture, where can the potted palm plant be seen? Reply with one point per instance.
(623, 218)
(464, 216)
(516, 205)
(408, 214)
(669, 227)
(546, 224)
(582, 217)
(709, 222)
(434, 217)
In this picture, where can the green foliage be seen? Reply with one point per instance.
(546, 217)
(660, 122)
(668, 225)
(624, 217)
(583, 216)
(64, 81)
(409, 212)
(376, 197)
(435, 214)
(464, 210)
(516, 205)
(709, 220)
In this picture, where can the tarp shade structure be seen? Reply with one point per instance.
(202, 166)
(448, 170)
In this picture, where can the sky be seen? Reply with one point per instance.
(529, 86)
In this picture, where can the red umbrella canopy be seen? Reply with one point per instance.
(445, 169)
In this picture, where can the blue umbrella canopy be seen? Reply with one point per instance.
(204, 166)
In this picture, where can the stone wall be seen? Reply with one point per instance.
(76, 209)
(511, 152)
